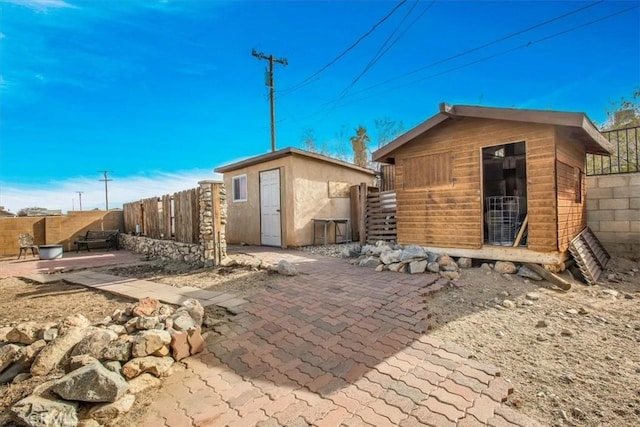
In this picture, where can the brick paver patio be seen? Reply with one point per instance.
(335, 345)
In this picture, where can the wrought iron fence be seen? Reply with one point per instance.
(625, 157)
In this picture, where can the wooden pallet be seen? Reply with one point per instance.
(589, 254)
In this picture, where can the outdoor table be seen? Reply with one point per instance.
(337, 222)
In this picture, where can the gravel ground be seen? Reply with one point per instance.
(336, 251)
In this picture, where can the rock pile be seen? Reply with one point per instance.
(101, 364)
(411, 259)
(414, 259)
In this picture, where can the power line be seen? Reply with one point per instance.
(385, 47)
(332, 103)
(106, 189)
(504, 52)
(311, 78)
(482, 46)
(270, 83)
(80, 198)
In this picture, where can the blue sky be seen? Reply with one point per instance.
(161, 92)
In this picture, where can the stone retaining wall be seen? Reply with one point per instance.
(613, 212)
(164, 249)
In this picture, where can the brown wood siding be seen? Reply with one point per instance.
(428, 171)
(451, 215)
(572, 216)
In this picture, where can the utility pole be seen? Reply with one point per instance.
(106, 190)
(270, 83)
(80, 197)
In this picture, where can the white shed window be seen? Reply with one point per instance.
(239, 188)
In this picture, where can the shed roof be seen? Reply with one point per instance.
(581, 128)
(289, 151)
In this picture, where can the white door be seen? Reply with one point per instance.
(270, 234)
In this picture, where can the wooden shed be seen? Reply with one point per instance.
(493, 183)
(273, 199)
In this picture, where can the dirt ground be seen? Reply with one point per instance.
(573, 357)
(244, 275)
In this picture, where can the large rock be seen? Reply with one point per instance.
(182, 321)
(180, 345)
(505, 267)
(91, 383)
(75, 320)
(413, 252)
(9, 354)
(447, 263)
(4, 331)
(24, 333)
(377, 249)
(145, 307)
(196, 342)
(109, 411)
(94, 342)
(370, 261)
(120, 316)
(116, 350)
(380, 247)
(417, 267)
(30, 352)
(113, 366)
(148, 342)
(464, 262)
(50, 357)
(157, 366)
(390, 257)
(50, 334)
(164, 311)
(432, 256)
(37, 411)
(286, 269)
(396, 266)
(195, 310)
(527, 273)
(118, 329)
(146, 322)
(11, 372)
(80, 360)
(143, 382)
(433, 267)
(351, 252)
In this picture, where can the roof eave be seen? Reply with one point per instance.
(381, 155)
(595, 142)
(289, 151)
(602, 145)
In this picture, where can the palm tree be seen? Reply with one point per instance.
(359, 144)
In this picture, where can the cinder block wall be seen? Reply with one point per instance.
(58, 230)
(613, 212)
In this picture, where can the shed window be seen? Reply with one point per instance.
(428, 171)
(239, 184)
(569, 181)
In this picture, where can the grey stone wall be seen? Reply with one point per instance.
(613, 212)
(164, 249)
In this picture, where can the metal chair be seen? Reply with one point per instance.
(26, 243)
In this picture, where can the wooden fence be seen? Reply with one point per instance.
(174, 216)
(387, 177)
(374, 213)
